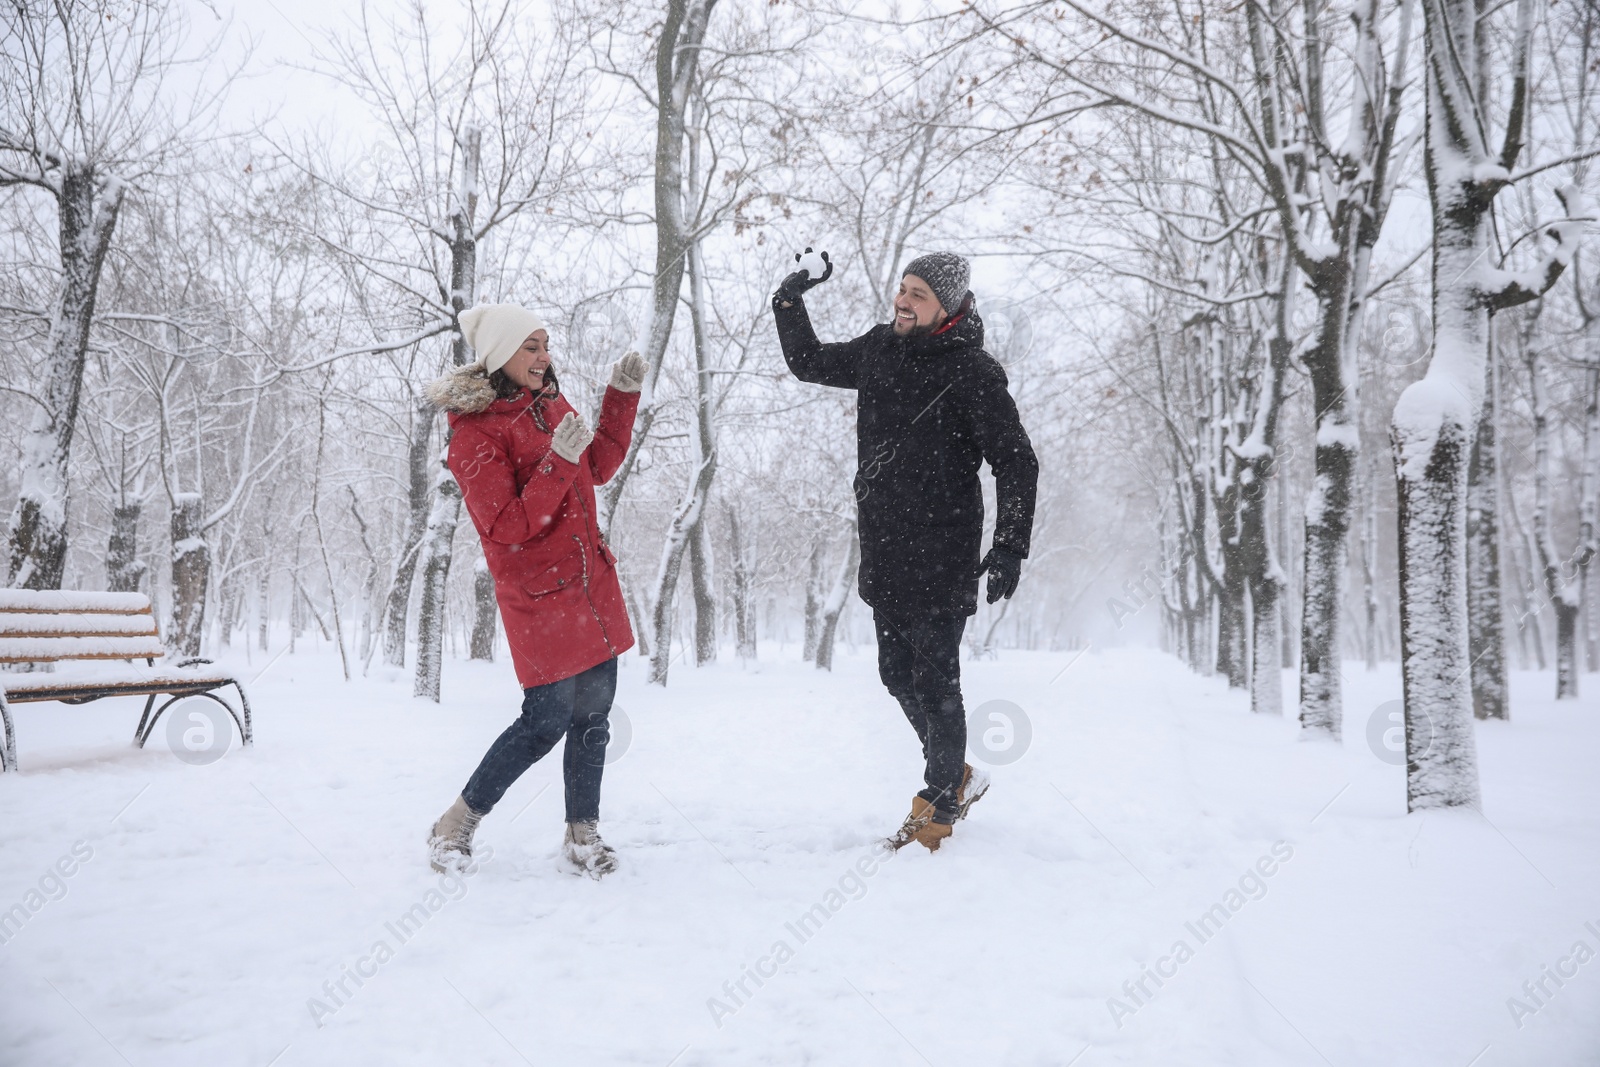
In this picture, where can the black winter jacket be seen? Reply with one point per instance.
(930, 410)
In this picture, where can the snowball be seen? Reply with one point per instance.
(812, 263)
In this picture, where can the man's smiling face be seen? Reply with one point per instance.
(916, 309)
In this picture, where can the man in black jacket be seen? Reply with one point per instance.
(932, 407)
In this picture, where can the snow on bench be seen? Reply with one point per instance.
(73, 600)
(54, 626)
(74, 624)
(48, 649)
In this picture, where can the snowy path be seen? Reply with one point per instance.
(220, 900)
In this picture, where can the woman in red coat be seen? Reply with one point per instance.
(527, 465)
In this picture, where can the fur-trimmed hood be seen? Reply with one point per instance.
(465, 390)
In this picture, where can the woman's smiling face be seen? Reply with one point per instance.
(527, 365)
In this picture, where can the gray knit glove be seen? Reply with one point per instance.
(627, 373)
(572, 436)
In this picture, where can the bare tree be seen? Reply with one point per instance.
(85, 120)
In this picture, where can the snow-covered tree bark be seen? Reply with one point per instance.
(1436, 418)
(444, 511)
(419, 472)
(88, 204)
(1589, 497)
(688, 531)
(124, 569)
(1369, 570)
(702, 582)
(1486, 642)
(191, 574)
(436, 542)
(744, 606)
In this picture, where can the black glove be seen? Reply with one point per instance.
(1004, 567)
(795, 285)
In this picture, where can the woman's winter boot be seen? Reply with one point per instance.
(450, 840)
(586, 851)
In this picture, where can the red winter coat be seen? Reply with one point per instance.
(554, 575)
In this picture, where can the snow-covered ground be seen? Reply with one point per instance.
(220, 907)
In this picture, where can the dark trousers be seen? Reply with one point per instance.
(578, 708)
(919, 660)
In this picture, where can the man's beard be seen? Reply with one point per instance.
(917, 329)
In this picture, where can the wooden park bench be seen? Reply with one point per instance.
(55, 626)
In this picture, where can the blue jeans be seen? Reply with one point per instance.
(578, 708)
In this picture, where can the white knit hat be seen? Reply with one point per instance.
(496, 331)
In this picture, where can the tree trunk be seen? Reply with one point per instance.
(231, 604)
(419, 470)
(1441, 753)
(485, 611)
(87, 217)
(1266, 660)
(1589, 504)
(263, 606)
(672, 553)
(1369, 571)
(445, 511)
(1233, 654)
(1436, 419)
(744, 610)
(322, 543)
(705, 599)
(1486, 641)
(1432, 437)
(436, 544)
(1286, 608)
(842, 584)
(688, 525)
(124, 569)
(700, 559)
(813, 631)
(1560, 587)
(191, 573)
(636, 616)
(1334, 380)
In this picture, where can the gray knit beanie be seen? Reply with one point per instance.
(947, 274)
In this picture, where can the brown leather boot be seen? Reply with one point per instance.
(920, 827)
(921, 815)
(932, 834)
